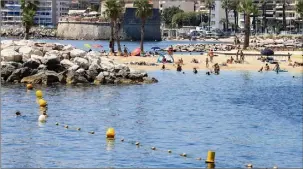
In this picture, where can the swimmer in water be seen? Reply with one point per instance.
(195, 71)
(18, 113)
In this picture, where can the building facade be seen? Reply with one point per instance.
(274, 13)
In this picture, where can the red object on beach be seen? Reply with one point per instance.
(97, 46)
(136, 52)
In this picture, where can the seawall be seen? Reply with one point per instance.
(130, 28)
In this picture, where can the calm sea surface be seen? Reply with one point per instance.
(245, 117)
(130, 45)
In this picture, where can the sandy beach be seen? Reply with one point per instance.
(251, 62)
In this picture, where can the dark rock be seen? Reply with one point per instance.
(33, 64)
(91, 75)
(7, 70)
(18, 74)
(57, 68)
(15, 64)
(75, 77)
(43, 77)
(147, 80)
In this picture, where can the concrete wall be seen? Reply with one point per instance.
(83, 30)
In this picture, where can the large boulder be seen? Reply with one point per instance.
(92, 56)
(11, 55)
(67, 63)
(81, 62)
(77, 53)
(53, 53)
(18, 74)
(51, 60)
(43, 77)
(31, 63)
(37, 58)
(7, 70)
(68, 48)
(27, 51)
(73, 77)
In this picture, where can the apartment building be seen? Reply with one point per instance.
(274, 11)
(48, 13)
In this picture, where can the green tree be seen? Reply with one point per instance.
(29, 9)
(209, 5)
(234, 6)
(188, 19)
(144, 10)
(168, 13)
(299, 8)
(248, 7)
(226, 5)
(114, 11)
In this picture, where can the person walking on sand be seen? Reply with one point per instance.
(207, 64)
(267, 67)
(289, 57)
(211, 55)
(242, 56)
(237, 55)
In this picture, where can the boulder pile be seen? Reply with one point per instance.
(35, 32)
(47, 63)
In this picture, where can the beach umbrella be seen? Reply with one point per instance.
(267, 52)
(155, 48)
(97, 46)
(87, 45)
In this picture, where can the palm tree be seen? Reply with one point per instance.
(210, 5)
(234, 6)
(224, 22)
(29, 9)
(114, 11)
(144, 10)
(227, 6)
(248, 7)
(299, 8)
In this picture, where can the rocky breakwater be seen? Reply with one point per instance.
(35, 32)
(47, 63)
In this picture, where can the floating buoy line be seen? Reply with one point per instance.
(110, 134)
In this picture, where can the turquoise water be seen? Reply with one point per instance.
(245, 117)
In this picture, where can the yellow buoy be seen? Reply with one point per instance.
(42, 103)
(110, 133)
(210, 157)
(39, 93)
(210, 165)
(29, 86)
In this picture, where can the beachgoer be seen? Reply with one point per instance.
(237, 55)
(207, 62)
(216, 68)
(289, 57)
(277, 67)
(267, 67)
(179, 68)
(164, 60)
(18, 113)
(125, 51)
(181, 61)
(89, 50)
(231, 59)
(242, 56)
(261, 69)
(207, 73)
(211, 56)
(163, 67)
(195, 70)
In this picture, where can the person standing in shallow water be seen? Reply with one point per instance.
(179, 68)
(195, 70)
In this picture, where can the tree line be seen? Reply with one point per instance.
(172, 17)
